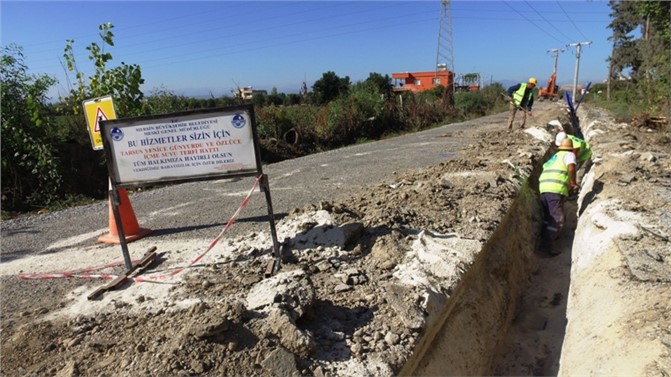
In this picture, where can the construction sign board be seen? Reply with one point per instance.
(97, 110)
(201, 144)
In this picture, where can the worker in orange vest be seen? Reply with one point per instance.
(521, 98)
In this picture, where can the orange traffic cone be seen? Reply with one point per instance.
(131, 228)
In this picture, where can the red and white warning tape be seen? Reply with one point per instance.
(81, 273)
(78, 273)
(212, 244)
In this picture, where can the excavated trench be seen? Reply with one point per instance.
(601, 306)
(428, 305)
(471, 335)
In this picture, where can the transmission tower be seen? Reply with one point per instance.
(444, 56)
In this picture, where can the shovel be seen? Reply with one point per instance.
(529, 114)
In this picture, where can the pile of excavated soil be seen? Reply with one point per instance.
(619, 303)
(364, 280)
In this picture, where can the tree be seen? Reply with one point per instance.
(380, 83)
(304, 93)
(292, 99)
(655, 69)
(330, 87)
(649, 57)
(86, 172)
(30, 169)
(259, 99)
(624, 22)
(122, 82)
(276, 98)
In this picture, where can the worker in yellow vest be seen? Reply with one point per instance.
(581, 148)
(522, 98)
(555, 182)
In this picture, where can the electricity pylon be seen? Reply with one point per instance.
(444, 56)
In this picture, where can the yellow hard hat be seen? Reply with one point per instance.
(532, 80)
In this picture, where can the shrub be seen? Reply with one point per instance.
(30, 169)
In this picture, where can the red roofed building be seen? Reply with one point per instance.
(421, 81)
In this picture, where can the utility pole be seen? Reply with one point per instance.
(578, 47)
(444, 56)
(555, 52)
(610, 71)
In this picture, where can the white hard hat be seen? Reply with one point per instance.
(560, 136)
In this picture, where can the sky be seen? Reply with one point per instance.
(209, 48)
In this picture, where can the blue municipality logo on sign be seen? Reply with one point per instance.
(117, 134)
(238, 121)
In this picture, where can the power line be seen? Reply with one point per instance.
(533, 23)
(572, 23)
(229, 25)
(548, 22)
(121, 46)
(480, 10)
(119, 51)
(201, 57)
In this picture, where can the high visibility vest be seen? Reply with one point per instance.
(583, 147)
(518, 95)
(554, 177)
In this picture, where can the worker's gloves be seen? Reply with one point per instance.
(573, 192)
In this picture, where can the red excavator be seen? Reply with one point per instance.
(551, 92)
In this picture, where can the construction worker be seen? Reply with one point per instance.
(555, 182)
(522, 98)
(581, 148)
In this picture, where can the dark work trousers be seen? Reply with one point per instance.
(553, 218)
(512, 110)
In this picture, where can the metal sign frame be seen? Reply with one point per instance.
(112, 130)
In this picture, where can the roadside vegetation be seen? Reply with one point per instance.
(48, 162)
(640, 63)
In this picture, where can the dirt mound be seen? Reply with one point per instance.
(352, 298)
(341, 306)
(620, 294)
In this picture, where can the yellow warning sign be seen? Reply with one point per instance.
(95, 110)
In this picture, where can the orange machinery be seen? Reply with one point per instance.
(552, 90)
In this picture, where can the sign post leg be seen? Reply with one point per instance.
(114, 196)
(271, 217)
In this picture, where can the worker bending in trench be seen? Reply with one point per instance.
(582, 151)
(555, 183)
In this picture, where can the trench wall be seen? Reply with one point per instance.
(619, 296)
(464, 336)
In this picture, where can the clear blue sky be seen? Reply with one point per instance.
(197, 48)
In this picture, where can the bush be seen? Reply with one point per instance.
(422, 110)
(482, 102)
(31, 174)
(471, 103)
(273, 122)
